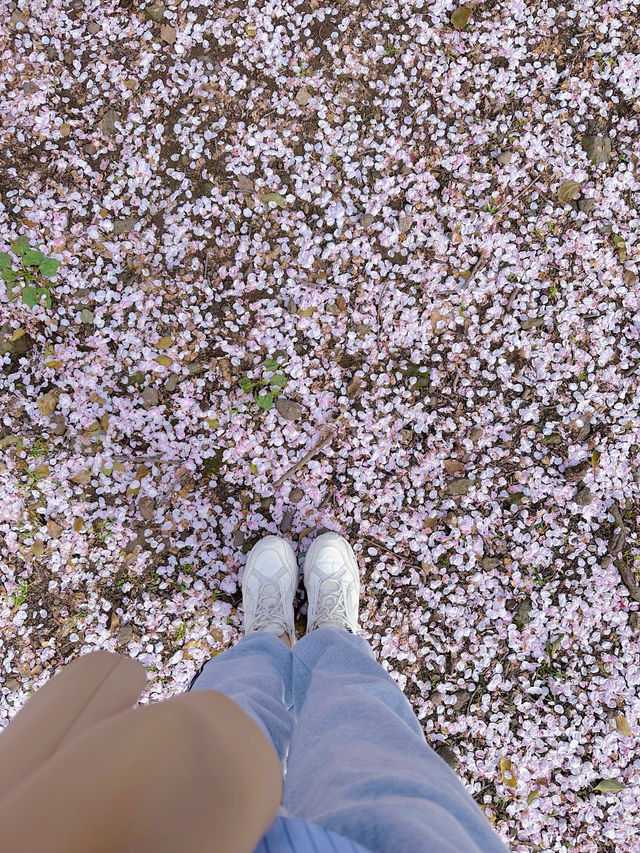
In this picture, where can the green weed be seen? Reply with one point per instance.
(39, 448)
(265, 391)
(20, 595)
(28, 276)
(103, 529)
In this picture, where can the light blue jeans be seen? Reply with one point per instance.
(354, 755)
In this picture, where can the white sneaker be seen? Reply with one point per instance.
(332, 580)
(269, 586)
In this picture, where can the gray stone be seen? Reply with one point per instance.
(12, 684)
(245, 184)
(500, 546)
(29, 87)
(122, 226)
(172, 382)
(437, 698)
(150, 397)
(196, 367)
(86, 316)
(93, 27)
(575, 473)
(583, 497)
(447, 754)
(368, 219)
(108, 122)
(505, 157)
(290, 410)
(155, 12)
(462, 697)
(404, 223)
(296, 495)
(458, 487)
(532, 323)
(587, 205)
(522, 617)
(490, 563)
(138, 541)
(125, 634)
(287, 521)
(303, 97)
(552, 440)
(147, 508)
(59, 426)
(597, 148)
(90, 149)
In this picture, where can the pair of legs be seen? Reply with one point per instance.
(354, 755)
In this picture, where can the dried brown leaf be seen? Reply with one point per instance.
(47, 403)
(622, 725)
(507, 772)
(568, 190)
(453, 466)
(354, 386)
(168, 34)
(37, 549)
(460, 17)
(54, 530)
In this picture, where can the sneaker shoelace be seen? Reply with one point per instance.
(331, 604)
(267, 611)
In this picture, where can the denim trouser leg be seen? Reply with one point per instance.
(358, 762)
(256, 674)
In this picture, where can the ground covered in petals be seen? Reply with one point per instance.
(401, 245)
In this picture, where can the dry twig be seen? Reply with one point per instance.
(311, 453)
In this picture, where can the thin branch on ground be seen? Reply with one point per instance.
(322, 443)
